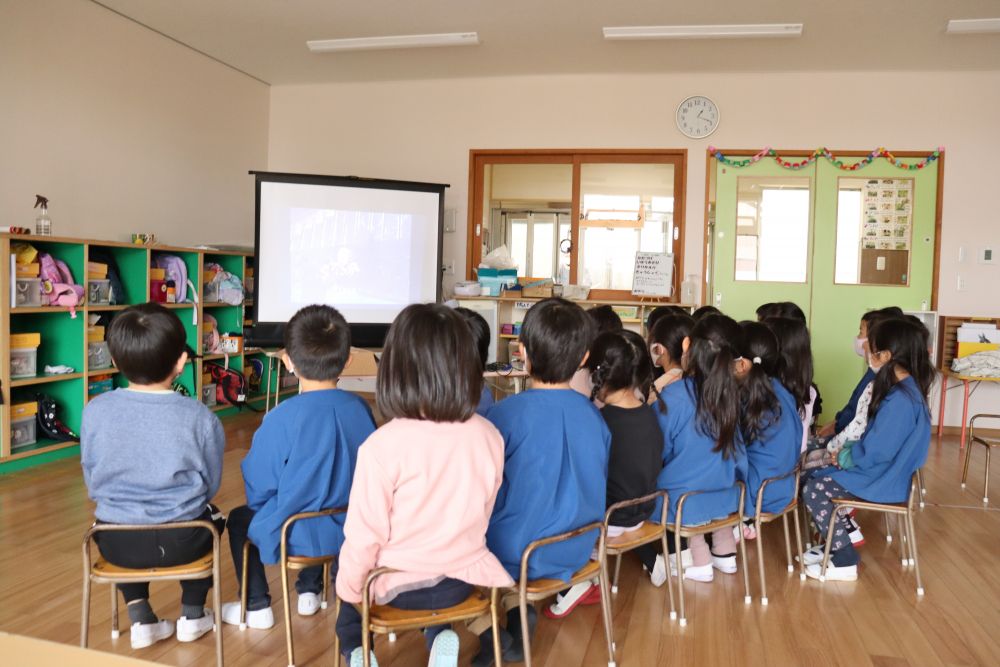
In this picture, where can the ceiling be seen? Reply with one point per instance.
(266, 38)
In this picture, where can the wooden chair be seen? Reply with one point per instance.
(100, 571)
(904, 510)
(532, 590)
(385, 619)
(286, 563)
(989, 445)
(680, 530)
(761, 517)
(649, 533)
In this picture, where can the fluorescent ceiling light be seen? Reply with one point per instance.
(394, 42)
(970, 26)
(704, 31)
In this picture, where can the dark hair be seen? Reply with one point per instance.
(759, 346)
(715, 341)
(766, 310)
(318, 341)
(605, 319)
(670, 332)
(145, 342)
(789, 310)
(795, 366)
(881, 313)
(556, 335)
(662, 311)
(705, 311)
(429, 367)
(906, 339)
(480, 331)
(620, 360)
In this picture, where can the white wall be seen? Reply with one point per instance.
(423, 130)
(123, 129)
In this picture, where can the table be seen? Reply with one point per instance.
(18, 650)
(965, 379)
(517, 376)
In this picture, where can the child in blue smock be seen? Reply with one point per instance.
(881, 464)
(555, 463)
(481, 337)
(771, 426)
(301, 460)
(701, 446)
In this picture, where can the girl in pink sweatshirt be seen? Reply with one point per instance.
(425, 483)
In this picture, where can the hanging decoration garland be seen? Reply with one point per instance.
(823, 152)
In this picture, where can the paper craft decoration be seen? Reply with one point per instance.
(653, 274)
(887, 206)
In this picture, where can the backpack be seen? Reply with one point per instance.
(230, 386)
(176, 271)
(48, 424)
(224, 287)
(114, 275)
(58, 286)
(211, 341)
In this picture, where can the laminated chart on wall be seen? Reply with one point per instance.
(653, 274)
(888, 213)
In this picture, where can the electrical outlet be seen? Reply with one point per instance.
(449, 267)
(987, 256)
(961, 284)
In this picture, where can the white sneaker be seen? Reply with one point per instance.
(147, 634)
(813, 556)
(190, 629)
(702, 573)
(308, 604)
(444, 651)
(260, 619)
(833, 573)
(358, 658)
(659, 574)
(724, 564)
(686, 559)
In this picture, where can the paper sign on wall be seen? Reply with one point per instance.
(653, 274)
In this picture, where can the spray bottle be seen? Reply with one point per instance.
(43, 224)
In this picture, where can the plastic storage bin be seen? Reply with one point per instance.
(23, 362)
(22, 432)
(27, 292)
(99, 292)
(101, 384)
(98, 355)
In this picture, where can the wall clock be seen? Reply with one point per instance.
(697, 117)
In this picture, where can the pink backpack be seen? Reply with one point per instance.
(58, 286)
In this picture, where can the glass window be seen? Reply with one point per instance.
(772, 229)
(874, 231)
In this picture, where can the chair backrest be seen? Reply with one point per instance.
(683, 499)
(120, 527)
(797, 471)
(287, 525)
(561, 537)
(659, 493)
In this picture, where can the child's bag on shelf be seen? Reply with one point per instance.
(58, 286)
(176, 272)
(49, 425)
(224, 287)
(230, 386)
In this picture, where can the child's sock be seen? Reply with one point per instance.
(139, 611)
(192, 611)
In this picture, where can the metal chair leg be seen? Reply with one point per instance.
(829, 542)
(525, 634)
(798, 544)
(760, 559)
(217, 598)
(680, 573)
(618, 567)
(85, 616)
(283, 564)
(913, 548)
(495, 619)
(965, 468)
(920, 487)
(605, 609)
(243, 585)
(888, 528)
(115, 633)
(905, 539)
(986, 476)
(323, 604)
(744, 565)
(666, 564)
(788, 542)
(366, 637)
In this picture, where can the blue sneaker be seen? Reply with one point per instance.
(358, 658)
(444, 652)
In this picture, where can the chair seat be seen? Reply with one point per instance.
(878, 507)
(193, 570)
(649, 532)
(544, 587)
(386, 618)
(302, 562)
(986, 442)
(731, 520)
(771, 516)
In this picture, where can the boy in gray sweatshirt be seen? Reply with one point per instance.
(152, 456)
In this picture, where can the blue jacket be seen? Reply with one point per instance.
(845, 416)
(485, 402)
(892, 449)
(690, 464)
(555, 476)
(775, 453)
(302, 460)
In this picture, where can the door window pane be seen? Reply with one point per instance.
(772, 232)
(874, 231)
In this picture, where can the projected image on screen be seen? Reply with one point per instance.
(368, 251)
(358, 257)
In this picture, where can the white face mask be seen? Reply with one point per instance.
(873, 365)
(859, 347)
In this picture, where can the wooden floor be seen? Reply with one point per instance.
(877, 621)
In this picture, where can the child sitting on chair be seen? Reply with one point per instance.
(151, 456)
(301, 460)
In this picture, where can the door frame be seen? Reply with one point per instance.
(711, 164)
(480, 157)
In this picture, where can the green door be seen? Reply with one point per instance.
(835, 242)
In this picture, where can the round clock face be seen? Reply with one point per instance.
(697, 117)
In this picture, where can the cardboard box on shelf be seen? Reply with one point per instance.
(157, 274)
(27, 270)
